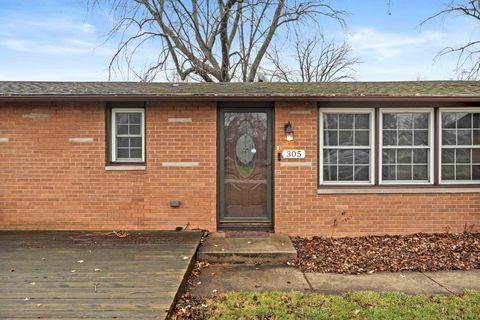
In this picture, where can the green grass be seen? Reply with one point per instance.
(355, 305)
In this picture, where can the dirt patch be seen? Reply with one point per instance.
(418, 252)
(188, 306)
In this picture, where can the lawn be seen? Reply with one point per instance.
(355, 305)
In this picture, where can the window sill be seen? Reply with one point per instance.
(125, 168)
(354, 190)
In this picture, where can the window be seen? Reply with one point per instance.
(399, 146)
(346, 145)
(406, 151)
(128, 135)
(460, 146)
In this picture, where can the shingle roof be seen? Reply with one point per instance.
(31, 89)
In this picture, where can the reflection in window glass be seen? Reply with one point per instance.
(460, 152)
(128, 135)
(346, 150)
(405, 146)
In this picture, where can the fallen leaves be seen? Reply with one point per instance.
(190, 307)
(199, 266)
(184, 308)
(418, 252)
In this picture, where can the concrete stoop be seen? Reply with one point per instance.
(270, 248)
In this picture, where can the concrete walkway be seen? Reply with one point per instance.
(224, 277)
(72, 275)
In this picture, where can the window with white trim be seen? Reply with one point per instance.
(346, 146)
(128, 135)
(460, 146)
(406, 146)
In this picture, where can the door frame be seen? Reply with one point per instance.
(245, 223)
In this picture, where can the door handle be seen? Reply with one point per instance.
(268, 164)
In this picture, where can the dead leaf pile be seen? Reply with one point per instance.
(418, 252)
(189, 307)
(199, 266)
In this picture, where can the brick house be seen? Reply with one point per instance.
(307, 159)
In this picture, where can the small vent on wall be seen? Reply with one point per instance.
(175, 203)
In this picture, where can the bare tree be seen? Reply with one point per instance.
(209, 40)
(314, 60)
(468, 60)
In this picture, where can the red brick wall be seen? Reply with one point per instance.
(48, 182)
(299, 210)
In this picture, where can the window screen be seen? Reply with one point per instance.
(405, 153)
(346, 151)
(128, 135)
(460, 152)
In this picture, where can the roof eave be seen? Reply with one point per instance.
(226, 97)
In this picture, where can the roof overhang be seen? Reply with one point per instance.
(248, 97)
(405, 91)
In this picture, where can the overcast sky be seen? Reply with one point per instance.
(60, 40)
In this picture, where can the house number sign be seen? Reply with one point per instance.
(293, 154)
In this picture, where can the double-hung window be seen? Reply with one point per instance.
(460, 146)
(399, 146)
(406, 152)
(128, 135)
(346, 144)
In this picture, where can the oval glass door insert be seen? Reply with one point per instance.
(245, 150)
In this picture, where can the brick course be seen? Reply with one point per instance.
(48, 182)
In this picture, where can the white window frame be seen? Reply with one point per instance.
(431, 133)
(113, 149)
(371, 112)
(440, 147)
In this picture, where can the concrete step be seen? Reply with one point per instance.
(224, 248)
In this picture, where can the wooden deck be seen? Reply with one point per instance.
(76, 275)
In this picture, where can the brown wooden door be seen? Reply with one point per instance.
(245, 165)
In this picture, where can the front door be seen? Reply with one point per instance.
(245, 165)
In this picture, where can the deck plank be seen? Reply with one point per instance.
(134, 277)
